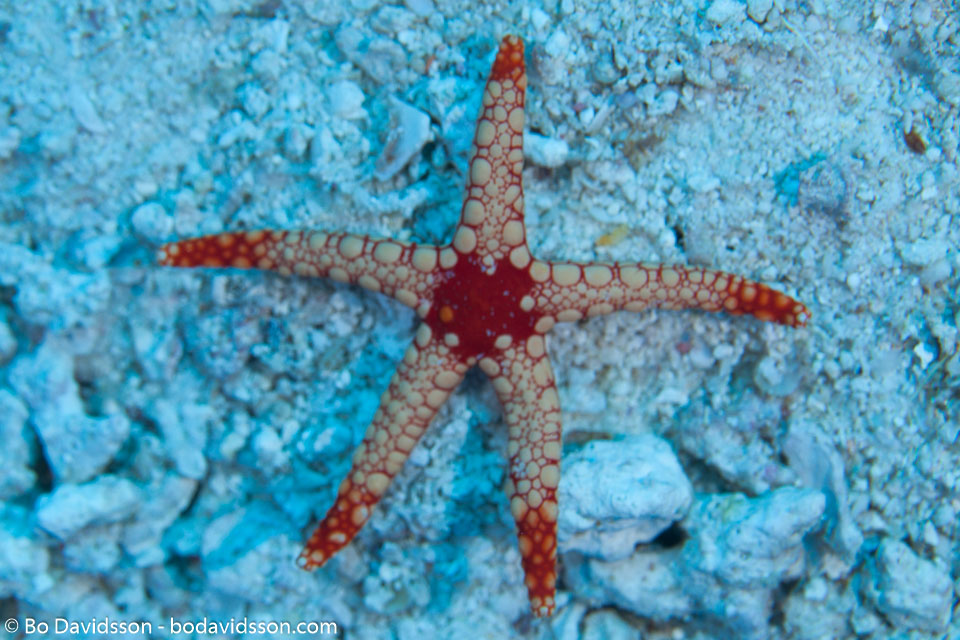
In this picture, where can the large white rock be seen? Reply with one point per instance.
(614, 494)
(738, 552)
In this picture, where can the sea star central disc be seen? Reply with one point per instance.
(480, 305)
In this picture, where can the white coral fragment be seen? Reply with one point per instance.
(410, 132)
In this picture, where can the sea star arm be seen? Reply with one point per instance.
(491, 221)
(423, 380)
(399, 269)
(569, 291)
(523, 379)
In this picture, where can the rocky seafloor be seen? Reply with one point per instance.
(171, 436)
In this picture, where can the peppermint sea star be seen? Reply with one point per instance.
(482, 300)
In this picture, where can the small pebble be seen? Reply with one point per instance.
(725, 11)
(84, 111)
(346, 100)
(152, 222)
(545, 152)
(758, 9)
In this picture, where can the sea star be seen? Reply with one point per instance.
(483, 299)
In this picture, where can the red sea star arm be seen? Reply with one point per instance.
(491, 221)
(423, 380)
(569, 291)
(399, 269)
(523, 379)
